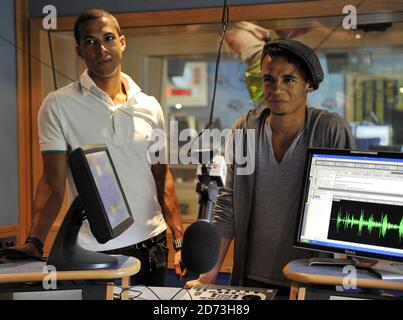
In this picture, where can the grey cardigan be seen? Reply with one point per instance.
(234, 204)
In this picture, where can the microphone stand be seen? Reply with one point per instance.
(201, 241)
(208, 191)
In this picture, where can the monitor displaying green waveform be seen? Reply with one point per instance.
(383, 226)
(368, 223)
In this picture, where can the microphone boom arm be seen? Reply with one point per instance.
(208, 191)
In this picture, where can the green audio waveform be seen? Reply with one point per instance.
(383, 225)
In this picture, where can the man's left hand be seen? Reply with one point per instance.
(180, 270)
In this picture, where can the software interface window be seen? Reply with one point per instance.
(355, 203)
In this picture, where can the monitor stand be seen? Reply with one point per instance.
(388, 270)
(66, 254)
(333, 262)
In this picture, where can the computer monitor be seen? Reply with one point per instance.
(101, 200)
(352, 203)
(378, 134)
(396, 121)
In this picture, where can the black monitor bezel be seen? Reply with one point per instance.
(91, 200)
(304, 195)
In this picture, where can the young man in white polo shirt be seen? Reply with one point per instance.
(106, 106)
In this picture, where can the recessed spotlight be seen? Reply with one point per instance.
(178, 106)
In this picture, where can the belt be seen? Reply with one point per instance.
(150, 242)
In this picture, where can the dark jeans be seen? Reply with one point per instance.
(153, 256)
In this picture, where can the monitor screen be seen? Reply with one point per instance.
(352, 203)
(100, 192)
(107, 186)
(375, 134)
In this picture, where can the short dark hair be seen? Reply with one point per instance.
(291, 58)
(92, 14)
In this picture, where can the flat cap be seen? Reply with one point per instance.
(305, 53)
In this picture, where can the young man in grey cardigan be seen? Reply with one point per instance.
(259, 210)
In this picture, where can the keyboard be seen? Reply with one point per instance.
(219, 292)
(198, 292)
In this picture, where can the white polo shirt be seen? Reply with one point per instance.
(80, 114)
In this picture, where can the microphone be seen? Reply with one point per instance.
(217, 170)
(201, 246)
(202, 241)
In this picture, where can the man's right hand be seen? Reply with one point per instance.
(211, 276)
(203, 279)
(191, 283)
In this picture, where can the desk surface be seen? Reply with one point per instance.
(300, 271)
(21, 271)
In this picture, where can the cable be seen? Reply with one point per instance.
(130, 289)
(187, 290)
(152, 292)
(101, 283)
(224, 24)
(140, 292)
(52, 60)
(335, 28)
